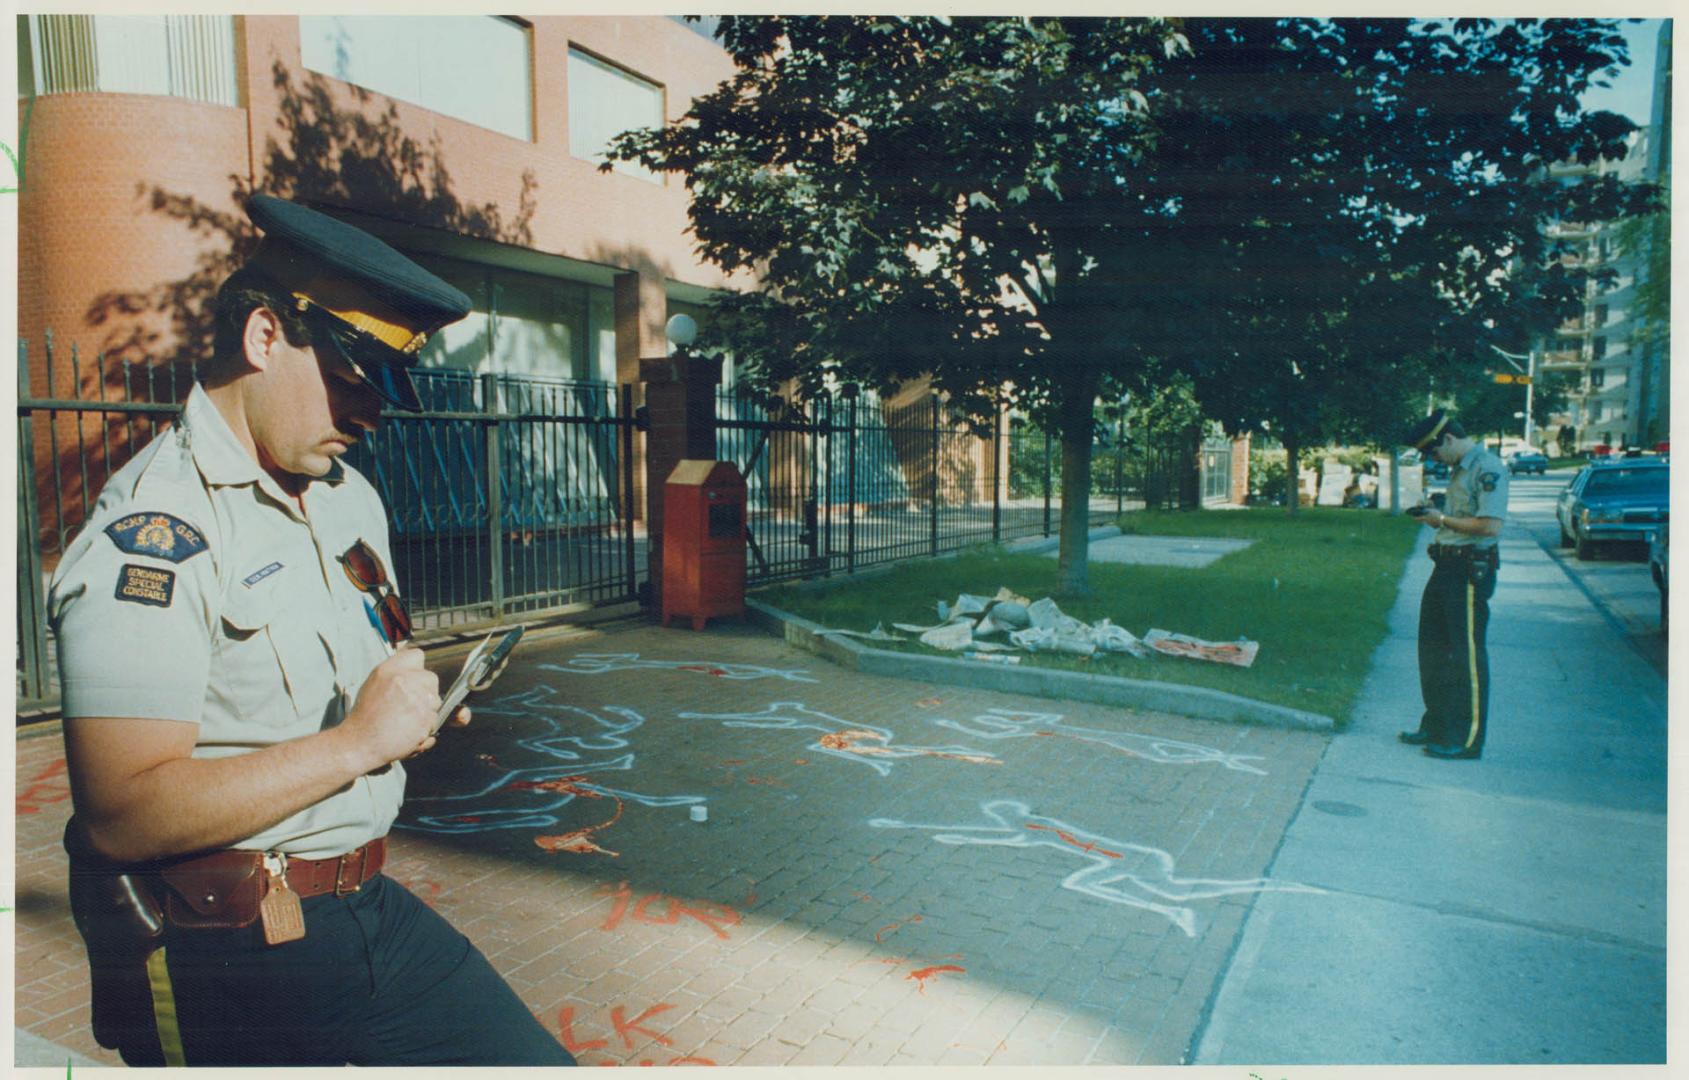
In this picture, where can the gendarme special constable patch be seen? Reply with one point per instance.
(1489, 480)
(160, 535)
(146, 585)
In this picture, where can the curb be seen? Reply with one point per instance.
(1194, 701)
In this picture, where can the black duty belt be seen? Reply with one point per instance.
(1464, 552)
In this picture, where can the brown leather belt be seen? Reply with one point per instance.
(340, 875)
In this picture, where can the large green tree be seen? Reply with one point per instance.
(928, 197)
(1358, 208)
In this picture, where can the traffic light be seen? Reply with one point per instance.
(1509, 377)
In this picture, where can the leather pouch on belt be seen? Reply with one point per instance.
(221, 890)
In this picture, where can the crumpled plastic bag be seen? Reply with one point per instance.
(1049, 639)
(966, 604)
(950, 637)
(1045, 615)
(1112, 638)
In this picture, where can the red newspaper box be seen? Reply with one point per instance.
(703, 542)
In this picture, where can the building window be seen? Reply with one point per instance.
(605, 101)
(1598, 348)
(472, 67)
(185, 56)
(524, 324)
(1597, 378)
(1600, 314)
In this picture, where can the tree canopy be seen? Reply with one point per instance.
(1303, 215)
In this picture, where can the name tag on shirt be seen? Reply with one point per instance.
(252, 579)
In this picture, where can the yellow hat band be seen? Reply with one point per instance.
(1431, 436)
(343, 299)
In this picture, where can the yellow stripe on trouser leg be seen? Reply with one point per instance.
(164, 1009)
(1472, 665)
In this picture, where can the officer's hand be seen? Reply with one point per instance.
(393, 716)
(456, 719)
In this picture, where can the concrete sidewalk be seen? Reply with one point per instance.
(1507, 910)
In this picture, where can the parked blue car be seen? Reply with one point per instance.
(1620, 500)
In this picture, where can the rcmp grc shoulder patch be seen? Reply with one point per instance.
(161, 536)
(146, 585)
(1489, 480)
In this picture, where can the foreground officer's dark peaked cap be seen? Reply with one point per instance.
(363, 299)
(1428, 430)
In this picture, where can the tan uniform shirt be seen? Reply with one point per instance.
(1477, 488)
(199, 591)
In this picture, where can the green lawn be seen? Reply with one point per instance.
(1314, 590)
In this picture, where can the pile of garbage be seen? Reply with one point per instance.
(973, 623)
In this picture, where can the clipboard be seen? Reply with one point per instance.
(484, 664)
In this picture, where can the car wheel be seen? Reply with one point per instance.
(1585, 548)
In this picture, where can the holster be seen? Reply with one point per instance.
(117, 913)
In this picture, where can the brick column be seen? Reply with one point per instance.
(1240, 470)
(680, 416)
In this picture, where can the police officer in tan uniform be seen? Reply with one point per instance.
(1454, 613)
(239, 692)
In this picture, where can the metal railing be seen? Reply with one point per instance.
(845, 481)
(512, 496)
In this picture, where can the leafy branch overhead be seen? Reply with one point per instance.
(1303, 216)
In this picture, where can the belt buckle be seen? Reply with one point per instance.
(340, 888)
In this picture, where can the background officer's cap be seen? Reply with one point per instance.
(1428, 431)
(362, 299)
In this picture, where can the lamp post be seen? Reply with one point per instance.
(1530, 373)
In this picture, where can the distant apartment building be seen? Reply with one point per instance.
(470, 142)
(1618, 359)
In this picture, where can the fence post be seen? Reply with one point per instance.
(997, 473)
(32, 604)
(626, 412)
(851, 394)
(1049, 479)
(933, 523)
(1119, 456)
(827, 478)
(495, 493)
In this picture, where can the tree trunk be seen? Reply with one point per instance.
(1292, 474)
(1073, 573)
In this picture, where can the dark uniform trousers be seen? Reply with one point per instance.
(1454, 662)
(378, 979)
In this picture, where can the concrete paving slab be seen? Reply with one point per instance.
(1351, 979)
(1186, 551)
(1529, 861)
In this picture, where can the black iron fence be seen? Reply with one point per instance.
(847, 480)
(512, 497)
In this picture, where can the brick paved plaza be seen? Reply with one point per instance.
(890, 872)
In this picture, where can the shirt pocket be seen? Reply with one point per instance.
(271, 661)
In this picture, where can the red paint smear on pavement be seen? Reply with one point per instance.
(705, 668)
(921, 975)
(578, 841)
(849, 742)
(1082, 845)
(895, 925)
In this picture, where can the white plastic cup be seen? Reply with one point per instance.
(700, 813)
